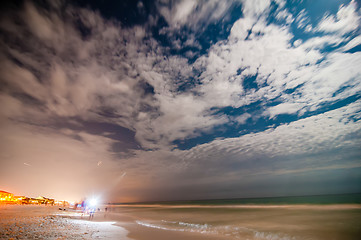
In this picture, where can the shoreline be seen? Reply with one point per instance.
(48, 222)
(137, 231)
(179, 222)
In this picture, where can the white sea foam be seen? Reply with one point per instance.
(234, 231)
(179, 226)
(272, 236)
(157, 226)
(190, 225)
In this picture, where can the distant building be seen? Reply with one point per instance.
(21, 199)
(41, 200)
(33, 201)
(44, 200)
(9, 198)
(6, 197)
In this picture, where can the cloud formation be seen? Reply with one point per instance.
(260, 100)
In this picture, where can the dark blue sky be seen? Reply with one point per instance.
(162, 100)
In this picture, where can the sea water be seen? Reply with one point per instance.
(296, 218)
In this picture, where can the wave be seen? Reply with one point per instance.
(233, 231)
(273, 236)
(190, 225)
(178, 226)
(155, 226)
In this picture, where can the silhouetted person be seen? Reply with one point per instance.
(91, 213)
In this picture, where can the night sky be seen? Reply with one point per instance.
(171, 100)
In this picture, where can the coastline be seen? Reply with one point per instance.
(135, 231)
(182, 222)
(48, 222)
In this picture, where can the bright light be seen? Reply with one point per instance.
(93, 202)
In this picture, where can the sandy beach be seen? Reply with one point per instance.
(48, 222)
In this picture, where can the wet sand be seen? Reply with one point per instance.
(138, 232)
(44, 222)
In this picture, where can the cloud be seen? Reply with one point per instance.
(285, 15)
(43, 26)
(86, 78)
(65, 67)
(302, 149)
(302, 19)
(243, 118)
(346, 20)
(284, 108)
(187, 12)
(72, 77)
(296, 145)
(75, 76)
(255, 8)
(353, 43)
(264, 50)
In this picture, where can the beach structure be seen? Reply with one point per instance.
(21, 199)
(9, 198)
(6, 197)
(40, 200)
(44, 200)
(61, 203)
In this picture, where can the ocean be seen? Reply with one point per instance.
(282, 218)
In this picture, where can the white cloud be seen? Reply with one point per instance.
(284, 108)
(281, 3)
(243, 118)
(322, 42)
(302, 19)
(279, 66)
(353, 43)
(339, 70)
(40, 25)
(268, 53)
(106, 71)
(346, 20)
(102, 78)
(308, 28)
(193, 14)
(255, 8)
(313, 136)
(184, 8)
(285, 15)
(76, 76)
(23, 80)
